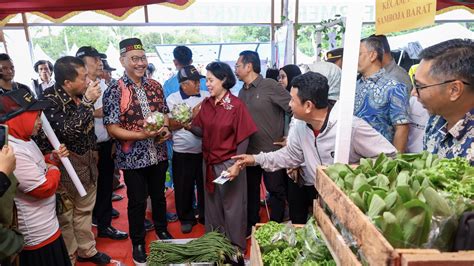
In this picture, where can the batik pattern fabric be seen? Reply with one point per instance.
(127, 105)
(382, 102)
(455, 142)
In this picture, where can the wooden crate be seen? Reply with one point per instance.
(339, 250)
(435, 258)
(341, 253)
(376, 249)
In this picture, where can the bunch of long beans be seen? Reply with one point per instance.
(211, 247)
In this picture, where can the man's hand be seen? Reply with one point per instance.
(7, 160)
(234, 171)
(93, 91)
(244, 160)
(61, 152)
(293, 174)
(146, 134)
(163, 135)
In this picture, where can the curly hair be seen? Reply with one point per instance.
(43, 62)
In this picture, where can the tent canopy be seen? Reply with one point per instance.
(119, 9)
(58, 12)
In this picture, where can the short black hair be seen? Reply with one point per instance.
(5, 57)
(384, 40)
(183, 55)
(452, 59)
(66, 67)
(312, 87)
(272, 73)
(43, 62)
(151, 68)
(374, 44)
(223, 72)
(253, 58)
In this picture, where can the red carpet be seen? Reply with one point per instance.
(121, 250)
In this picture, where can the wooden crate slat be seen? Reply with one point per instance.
(438, 259)
(255, 254)
(376, 249)
(341, 253)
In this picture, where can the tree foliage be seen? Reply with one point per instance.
(57, 44)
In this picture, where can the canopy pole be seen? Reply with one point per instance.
(145, 9)
(272, 33)
(295, 31)
(348, 81)
(27, 35)
(2, 38)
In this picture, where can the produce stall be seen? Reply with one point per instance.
(401, 211)
(272, 244)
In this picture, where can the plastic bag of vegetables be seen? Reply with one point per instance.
(182, 113)
(154, 121)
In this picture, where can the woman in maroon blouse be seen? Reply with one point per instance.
(225, 126)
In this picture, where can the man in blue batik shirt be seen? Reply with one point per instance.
(444, 85)
(380, 101)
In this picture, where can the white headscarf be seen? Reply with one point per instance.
(332, 73)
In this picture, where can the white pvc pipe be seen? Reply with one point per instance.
(348, 81)
(48, 130)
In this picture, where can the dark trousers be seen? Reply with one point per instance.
(187, 172)
(141, 183)
(103, 204)
(275, 183)
(300, 199)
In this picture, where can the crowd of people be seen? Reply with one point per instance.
(276, 129)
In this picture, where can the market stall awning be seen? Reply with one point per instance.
(58, 11)
(448, 5)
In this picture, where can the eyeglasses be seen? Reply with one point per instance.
(136, 59)
(418, 88)
(238, 65)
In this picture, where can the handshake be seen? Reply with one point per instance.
(241, 161)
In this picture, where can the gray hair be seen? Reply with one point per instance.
(374, 44)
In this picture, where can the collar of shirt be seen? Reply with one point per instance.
(185, 96)
(47, 84)
(375, 77)
(62, 94)
(325, 123)
(462, 126)
(129, 82)
(254, 83)
(225, 102)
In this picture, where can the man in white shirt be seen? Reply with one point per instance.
(311, 140)
(187, 150)
(44, 68)
(103, 205)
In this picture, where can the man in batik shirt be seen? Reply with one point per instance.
(379, 100)
(444, 84)
(71, 117)
(140, 153)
